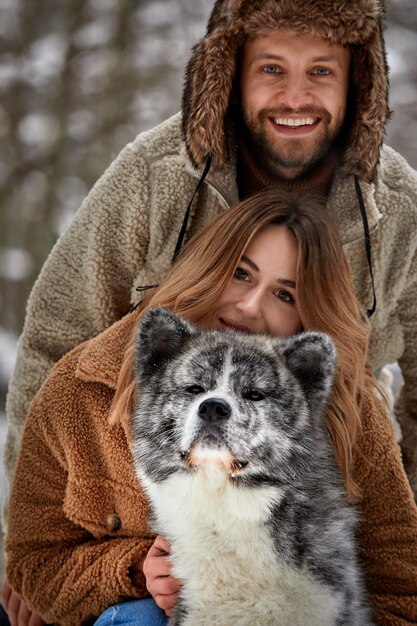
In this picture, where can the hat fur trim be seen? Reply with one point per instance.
(211, 71)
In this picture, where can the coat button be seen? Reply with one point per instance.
(113, 522)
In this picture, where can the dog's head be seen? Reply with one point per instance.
(248, 403)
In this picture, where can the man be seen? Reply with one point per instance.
(278, 92)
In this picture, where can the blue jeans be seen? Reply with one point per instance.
(4, 620)
(133, 613)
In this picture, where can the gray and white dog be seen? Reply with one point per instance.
(230, 444)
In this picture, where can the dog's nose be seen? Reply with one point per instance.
(214, 410)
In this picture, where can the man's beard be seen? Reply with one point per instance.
(295, 157)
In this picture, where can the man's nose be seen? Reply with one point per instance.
(295, 92)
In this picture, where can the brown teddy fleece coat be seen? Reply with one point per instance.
(78, 516)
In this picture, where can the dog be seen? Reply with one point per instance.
(230, 445)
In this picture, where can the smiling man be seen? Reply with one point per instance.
(283, 93)
(293, 100)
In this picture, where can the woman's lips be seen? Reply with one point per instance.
(235, 325)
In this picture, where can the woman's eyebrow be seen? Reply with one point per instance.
(287, 282)
(284, 281)
(250, 263)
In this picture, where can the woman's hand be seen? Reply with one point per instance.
(17, 611)
(161, 585)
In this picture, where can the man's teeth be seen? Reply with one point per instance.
(307, 121)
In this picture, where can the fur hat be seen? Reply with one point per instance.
(211, 71)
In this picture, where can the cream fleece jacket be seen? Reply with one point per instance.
(124, 235)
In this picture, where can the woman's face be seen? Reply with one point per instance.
(261, 296)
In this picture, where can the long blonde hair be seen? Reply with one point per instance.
(325, 299)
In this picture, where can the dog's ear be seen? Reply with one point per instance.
(161, 335)
(311, 357)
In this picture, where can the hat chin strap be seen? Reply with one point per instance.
(181, 236)
(367, 240)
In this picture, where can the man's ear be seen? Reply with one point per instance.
(311, 357)
(161, 336)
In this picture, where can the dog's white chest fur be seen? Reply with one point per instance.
(223, 552)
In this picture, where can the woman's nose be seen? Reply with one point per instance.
(250, 304)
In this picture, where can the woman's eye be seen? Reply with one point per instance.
(254, 395)
(286, 296)
(195, 390)
(241, 274)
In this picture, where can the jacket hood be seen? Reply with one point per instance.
(211, 72)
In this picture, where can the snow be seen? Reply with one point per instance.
(159, 13)
(45, 59)
(15, 263)
(8, 345)
(97, 33)
(38, 129)
(401, 46)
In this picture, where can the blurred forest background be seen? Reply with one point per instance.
(78, 80)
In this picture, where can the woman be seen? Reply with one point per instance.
(78, 537)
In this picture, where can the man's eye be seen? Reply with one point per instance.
(270, 69)
(321, 71)
(195, 390)
(254, 395)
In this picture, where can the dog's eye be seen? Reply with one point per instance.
(254, 395)
(194, 389)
